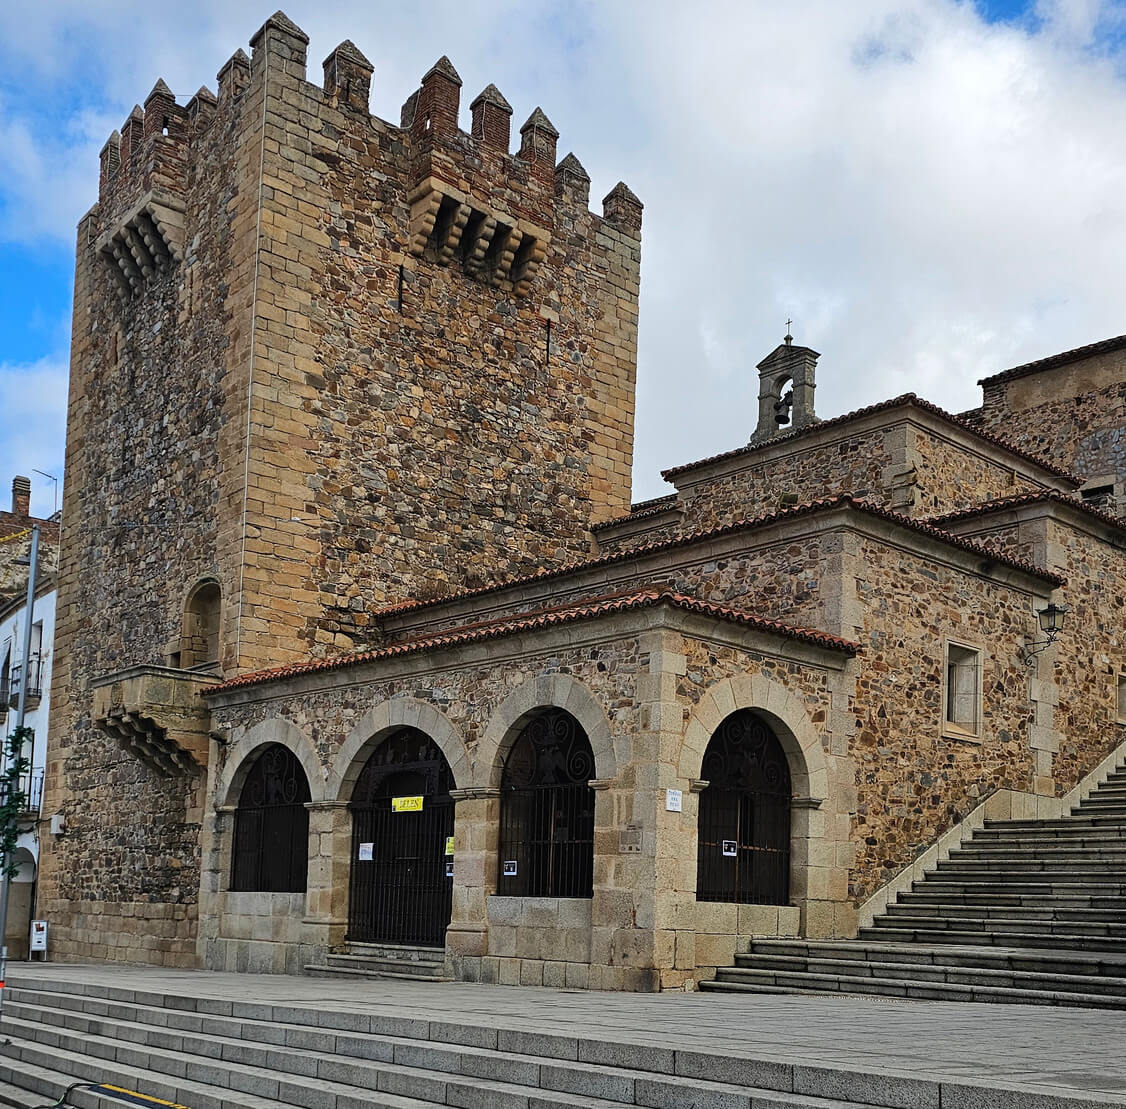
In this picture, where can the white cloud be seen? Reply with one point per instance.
(32, 429)
(930, 197)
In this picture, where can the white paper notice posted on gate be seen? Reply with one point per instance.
(367, 852)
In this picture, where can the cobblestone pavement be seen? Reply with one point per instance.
(1049, 1049)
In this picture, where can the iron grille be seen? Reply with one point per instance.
(744, 821)
(34, 683)
(547, 811)
(403, 893)
(271, 840)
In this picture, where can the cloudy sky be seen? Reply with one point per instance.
(933, 190)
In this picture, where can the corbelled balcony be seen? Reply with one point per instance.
(158, 715)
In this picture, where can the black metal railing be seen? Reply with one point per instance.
(547, 841)
(34, 682)
(401, 888)
(30, 785)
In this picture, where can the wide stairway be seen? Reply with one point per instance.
(1027, 911)
(207, 1053)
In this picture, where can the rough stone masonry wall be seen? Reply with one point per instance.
(855, 464)
(913, 783)
(151, 415)
(1075, 683)
(411, 431)
(949, 477)
(1074, 415)
(1091, 653)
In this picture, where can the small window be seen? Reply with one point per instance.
(963, 689)
(1121, 699)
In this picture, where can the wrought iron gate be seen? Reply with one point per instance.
(744, 820)
(402, 877)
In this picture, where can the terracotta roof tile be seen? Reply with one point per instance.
(1104, 346)
(588, 609)
(1040, 497)
(687, 538)
(641, 511)
(883, 406)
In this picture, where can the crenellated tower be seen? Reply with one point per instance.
(322, 363)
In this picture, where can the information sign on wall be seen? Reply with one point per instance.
(406, 804)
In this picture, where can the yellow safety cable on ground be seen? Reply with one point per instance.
(118, 1093)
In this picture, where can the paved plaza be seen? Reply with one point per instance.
(1048, 1050)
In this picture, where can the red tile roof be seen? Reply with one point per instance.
(640, 511)
(687, 538)
(1040, 497)
(883, 406)
(589, 609)
(1053, 361)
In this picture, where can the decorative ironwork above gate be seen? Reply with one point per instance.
(745, 754)
(406, 752)
(552, 750)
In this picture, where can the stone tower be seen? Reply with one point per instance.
(321, 363)
(785, 392)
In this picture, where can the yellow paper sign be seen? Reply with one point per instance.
(449, 845)
(406, 804)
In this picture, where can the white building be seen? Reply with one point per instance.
(13, 620)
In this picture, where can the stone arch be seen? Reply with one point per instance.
(200, 623)
(548, 691)
(785, 713)
(242, 753)
(373, 726)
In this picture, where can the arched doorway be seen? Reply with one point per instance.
(401, 887)
(743, 852)
(547, 810)
(270, 853)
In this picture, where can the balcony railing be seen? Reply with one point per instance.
(34, 684)
(31, 786)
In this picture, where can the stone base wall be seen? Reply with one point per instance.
(262, 933)
(723, 930)
(161, 934)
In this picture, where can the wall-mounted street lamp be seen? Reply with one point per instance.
(1051, 624)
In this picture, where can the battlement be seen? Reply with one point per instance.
(473, 201)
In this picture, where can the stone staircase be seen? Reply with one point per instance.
(383, 960)
(210, 1053)
(1027, 911)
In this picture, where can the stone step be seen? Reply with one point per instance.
(925, 893)
(291, 1061)
(1064, 823)
(993, 911)
(926, 935)
(1111, 852)
(1031, 888)
(1044, 961)
(324, 970)
(999, 926)
(929, 972)
(1076, 837)
(734, 981)
(1024, 870)
(52, 1071)
(400, 951)
(290, 1076)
